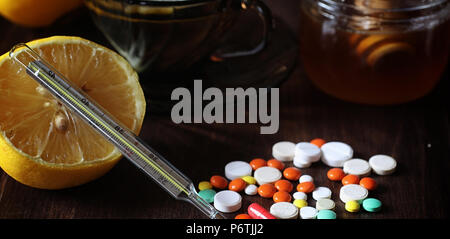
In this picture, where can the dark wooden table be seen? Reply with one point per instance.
(416, 134)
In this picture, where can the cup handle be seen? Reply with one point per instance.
(265, 15)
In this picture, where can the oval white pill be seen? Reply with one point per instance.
(284, 210)
(358, 167)
(321, 192)
(227, 201)
(300, 195)
(237, 169)
(353, 192)
(325, 204)
(305, 178)
(308, 212)
(300, 163)
(307, 152)
(334, 154)
(283, 151)
(382, 164)
(251, 189)
(267, 174)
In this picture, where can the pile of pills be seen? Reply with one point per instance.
(274, 179)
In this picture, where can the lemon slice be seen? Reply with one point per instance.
(42, 143)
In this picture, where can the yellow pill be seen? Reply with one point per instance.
(204, 185)
(300, 203)
(352, 206)
(249, 179)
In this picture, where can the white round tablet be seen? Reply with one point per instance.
(325, 204)
(267, 174)
(353, 192)
(237, 169)
(300, 163)
(358, 167)
(227, 201)
(382, 164)
(251, 189)
(305, 178)
(334, 154)
(308, 212)
(300, 195)
(283, 151)
(284, 210)
(307, 152)
(321, 192)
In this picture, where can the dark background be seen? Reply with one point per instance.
(416, 134)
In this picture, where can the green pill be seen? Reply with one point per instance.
(371, 204)
(207, 194)
(326, 214)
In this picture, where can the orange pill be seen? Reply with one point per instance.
(350, 179)
(218, 182)
(292, 173)
(282, 196)
(266, 190)
(243, 216)
(318, 142)
(275, 164)
(368, 183)
(237, 185)
(284, 185)
(306, 187)
(258, 163)
(335, 174)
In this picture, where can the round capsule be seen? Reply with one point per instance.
(318, 142)
(258, 163)
(207, 195)
(292, 173)
(368, 183)
(249, 179)
(350, 179)
(243, 216)
(266, 190)
(219, 182)
(335, 174)
(237, 185)
(284, 185)
(305, 187)
(371, 204)
(204, 185)
(275, 164)
(300, 203)
(352, 206)
(282, 196)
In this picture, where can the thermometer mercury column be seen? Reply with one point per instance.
(133, 148)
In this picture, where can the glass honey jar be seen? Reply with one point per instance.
(375, 51)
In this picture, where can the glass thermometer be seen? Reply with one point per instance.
(133, 148)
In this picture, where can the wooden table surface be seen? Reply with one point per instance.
(416, 134)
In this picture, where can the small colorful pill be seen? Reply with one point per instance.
(371, 204)
(256, 211)
(305, 187)
(318, 142)
(275, 164)
(219, 182)
(282, 196)
(267, 190)
(243, 216)
(207, 194)
(368, 183)
(204, 185)
(300, 203)
(237, 185)
(335, 174)
(284, 185)
(292, 173)
(350, 179)
(258, 163)
(249, 179)
(352, 206)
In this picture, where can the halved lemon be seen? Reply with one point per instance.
(45, 145)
